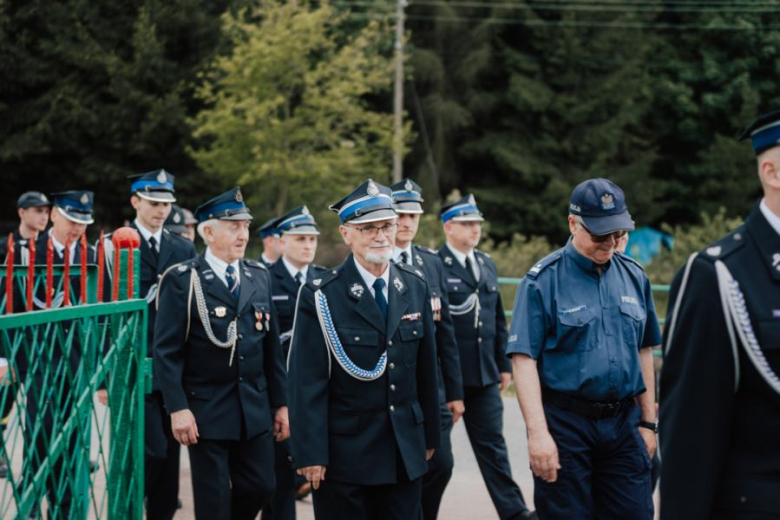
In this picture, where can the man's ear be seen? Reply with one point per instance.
(768, 169)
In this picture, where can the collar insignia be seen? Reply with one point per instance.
(419, 261)
(356, 290)
(316, 282)
(220, 312)
(398, 284)
(448, 260)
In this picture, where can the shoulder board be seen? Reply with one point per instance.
(322, 279)
(166, 231)
(255, 264)
(544, 263)
(411, 269)
(725, 246)
(630, 260)
(428, 250)
(182, 267)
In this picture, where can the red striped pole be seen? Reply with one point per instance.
(66, 275)
(31, 275)
(101, 251)
(9, 276)
(49, 271)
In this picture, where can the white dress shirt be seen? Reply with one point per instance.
(219, 267)
(294, 270)
(397, 254)
(146, 234)
(369, 279)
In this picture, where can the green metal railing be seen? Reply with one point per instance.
(68, 455)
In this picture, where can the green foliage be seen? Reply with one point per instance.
(288, 114)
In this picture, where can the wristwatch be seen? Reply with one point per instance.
(649, 425)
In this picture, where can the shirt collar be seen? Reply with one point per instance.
(397, 253)
(294, 270)
(769, 215)
(461, 256)
(220, 266)
(148, 234)
(369, 278)
(585, 263)
(61, 247)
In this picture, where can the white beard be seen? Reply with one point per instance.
(379, 258)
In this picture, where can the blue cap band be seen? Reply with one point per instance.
(159, 186)
(766, 137)
(372, 204)
(466, 209)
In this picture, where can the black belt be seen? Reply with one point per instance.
(591, 409)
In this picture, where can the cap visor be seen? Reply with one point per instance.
(610, 224)
(156, 196)
(237, 216)
(412, 208)
(78, 218)
(374, 216)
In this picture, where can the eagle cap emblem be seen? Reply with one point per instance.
(239, 197)
(176, 218)
(607, 201)
(161, 177)
(408, 185)
(372, 190)
(305, 211)
(472, 200)
(84, 199)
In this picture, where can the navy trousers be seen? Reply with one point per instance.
(282, 506)
(605, 468)
(341, 501)
(161, 460)
(439, 469)
(484, 420)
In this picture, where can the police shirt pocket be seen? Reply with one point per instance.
(419, 416)
(769, 335)
(575, 329)
(343, 424)
(359, 337)
(633, 320)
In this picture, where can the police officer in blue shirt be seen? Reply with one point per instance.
(272, 248)
(480, 330)
(219, 365)
(364, 411)
(407, 196)
(581, 340)
(298, 238)
(720, 388)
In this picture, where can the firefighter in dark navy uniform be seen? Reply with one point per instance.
(363, 377)
(219, 365)
(480, 328)
(720, 390)
(407, 197)
(151, 195)
(298, 239)
(33, 208)
(272, 248)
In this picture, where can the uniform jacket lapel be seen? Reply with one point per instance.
(483, 272)
(460, 270)
(166, 250)
(366, 305)
(767, 241)
(214, 286)
(247, 287)
(397, 302)
(146, 253)
(287, 282)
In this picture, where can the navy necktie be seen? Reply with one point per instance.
(299, 277)
(470, 269)
(153, 249)
(232, 281)
(379, 284)
(404, 258)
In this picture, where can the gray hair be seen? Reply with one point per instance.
(211, 223)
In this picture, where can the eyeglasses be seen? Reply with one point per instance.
(373, 231)
(600, 239)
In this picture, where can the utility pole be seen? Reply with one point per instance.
(398, 90)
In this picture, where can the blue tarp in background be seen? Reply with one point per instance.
(645, 243)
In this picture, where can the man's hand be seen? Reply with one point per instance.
(650, 441)
(429, 454)
(543, 453)
(457, 408)
(185, 430)
(506, 378)
(313, 474)
(281, 424)
(102, 396)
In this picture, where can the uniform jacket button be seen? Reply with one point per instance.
(391, 366)
(390, 343)
(392, 408)
(392, 388)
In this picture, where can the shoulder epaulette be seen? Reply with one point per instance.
(255, 264)
(631, 260)
(428, 250)
(322, 279)
(411, 269)
(544, 263)
(725, 246)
